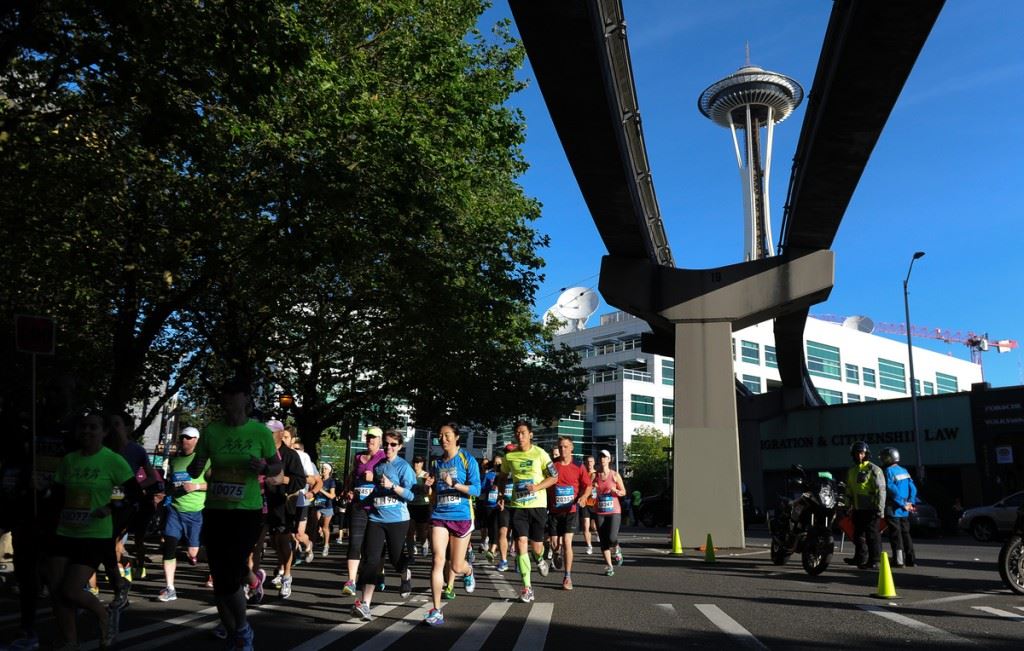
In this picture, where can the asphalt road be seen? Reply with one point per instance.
(952, 599)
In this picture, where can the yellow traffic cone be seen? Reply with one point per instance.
(886, 587)
(709, 551)
(677, 544)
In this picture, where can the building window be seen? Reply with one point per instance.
(831, 397)
(734, 349)
(869, 377)
(917, 387)
(642, 408)
(769, 357)
(852, 397)
(668, 411)
(853, 374)
(604, 375)
(869, 399)
(753, 383)
(929, 388)
(823, 360)
(890, 376)
(750, 352)
(604, 408)
(946, 383)
(668, 372)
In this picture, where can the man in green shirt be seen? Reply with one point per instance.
(185, 512)
(530, 472)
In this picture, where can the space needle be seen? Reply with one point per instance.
(749, 100)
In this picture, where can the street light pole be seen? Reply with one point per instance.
(910, 357)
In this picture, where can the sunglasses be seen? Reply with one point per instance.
(394, 444)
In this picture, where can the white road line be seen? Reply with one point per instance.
(481, 629)
(760, 551)
(943, 600)
(1002, 613)
(393, 633)
(504, 588)
(146, 630)
(920, 627)
(729, 626)
(166, 639)
(332, 635)
(535, 630)
(669, 609)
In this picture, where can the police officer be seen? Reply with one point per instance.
(865, 491)
(901, 497)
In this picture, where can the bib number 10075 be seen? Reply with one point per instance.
(228, 492)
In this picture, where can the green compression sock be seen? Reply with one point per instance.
(524, 568)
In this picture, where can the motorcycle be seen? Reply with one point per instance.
(1011, 556)
(804, 524)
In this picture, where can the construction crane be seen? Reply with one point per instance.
(976, 343)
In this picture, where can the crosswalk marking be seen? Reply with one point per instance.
(481, 629)
(535, 631)
(729, 626)
(145, 630)
(921, 627)
(166, 639)
(334, 634)
(1002, 613)
(393, 633)
(956, 597)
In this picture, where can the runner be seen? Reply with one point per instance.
(282, 516)
(419, 511)
(587, 510)
(504, 512)
(572, 490)
(185, 512)
(303, 499)
(324, 504)
(490, 491)
(455, 478)
(530, 472)
(84, 483)
(360, 489)
(239, 450)
(388, 523)
(609, 511)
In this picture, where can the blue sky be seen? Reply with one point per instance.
(944, 178)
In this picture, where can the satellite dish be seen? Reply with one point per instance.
(552, 319)
(859, 323)
(577, 304)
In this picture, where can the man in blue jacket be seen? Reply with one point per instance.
(901, 497)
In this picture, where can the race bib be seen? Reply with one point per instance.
(229, 492)
(180, 478)
(116, 493)
(564, 496)
(523, 494)
(492, 497)
(320, 501)
(77, 507)
(451, 498)
(363, 491)
(508, 491)
(385, 502)
(606, 504)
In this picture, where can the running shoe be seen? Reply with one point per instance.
(359, 609)
(276, 582)
(126, 571)
(609, 571)
(426, 548)
(209, 581)
(286, 587)
(434, 618)
(470, 555)
(244, 639)
(406, 588)
(193, 561)
(93, 589)
(29, 642)
(220, 632)
(299, 558)
(543, 567)
(502, 566)
(256, 591)
(489, 555)
(549, 554)
(120, 600)
(617, 557)
(484, 545)
(349, 589)
(567, 583)
(526, 595)
(556, 561)
(327, 546)
(381, 585)
(469, 583)
(138, 572)
(167, 594)
(447, 593)
(590, 550)
(309, 555)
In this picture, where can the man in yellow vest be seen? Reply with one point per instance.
(865, 494)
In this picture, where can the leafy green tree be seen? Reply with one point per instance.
(648, 460)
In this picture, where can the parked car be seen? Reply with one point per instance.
(987, 522)
(656, 511)
(924, 520)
